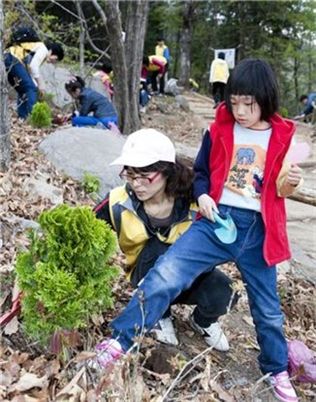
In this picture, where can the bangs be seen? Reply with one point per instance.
(255, 78)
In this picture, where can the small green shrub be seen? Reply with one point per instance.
(91, 184)
(65, 276)
(41, 115)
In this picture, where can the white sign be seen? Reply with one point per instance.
(229, 56)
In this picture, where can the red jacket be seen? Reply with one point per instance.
(276, 245)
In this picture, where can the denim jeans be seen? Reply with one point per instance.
(143, 97)
(211, 292)
(20, 79)
(81, 121)
(197, 251)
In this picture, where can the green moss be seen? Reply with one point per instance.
(65, 276)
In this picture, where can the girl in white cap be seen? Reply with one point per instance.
(149, 213)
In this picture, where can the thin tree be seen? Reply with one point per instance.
(188, 8)
(4, 110)
(126, 56)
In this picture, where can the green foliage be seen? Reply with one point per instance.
(65, 276)
(41, 115)
(91, 183)
(283, 111)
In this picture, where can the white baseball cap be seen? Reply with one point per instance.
(145, 147)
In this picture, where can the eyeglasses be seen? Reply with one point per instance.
(143, 180)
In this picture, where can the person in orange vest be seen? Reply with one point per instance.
(155, 67)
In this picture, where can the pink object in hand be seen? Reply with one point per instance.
(298, 152)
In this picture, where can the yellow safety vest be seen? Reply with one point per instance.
(21, 50)
(131, 230)
(154, 67)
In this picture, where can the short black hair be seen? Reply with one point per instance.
(221, 55)
(160, 39)
(254, 77)
(56, 49)
(146, 61)
(303, 97)
(105, 67)
(75, 83)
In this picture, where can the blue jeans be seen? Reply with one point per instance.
(143, 97)
(195, 252)
(20, 79)
(81, 121)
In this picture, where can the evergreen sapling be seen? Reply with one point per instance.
(65, 276)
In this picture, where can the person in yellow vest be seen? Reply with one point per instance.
(22, 63)
(154, 67)
(149, 213)
(218, 78)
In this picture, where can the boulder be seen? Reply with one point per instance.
(77, 150)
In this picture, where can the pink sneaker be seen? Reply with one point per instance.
(108, 351)
(282, 387)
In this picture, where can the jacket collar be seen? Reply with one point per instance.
(281, 128)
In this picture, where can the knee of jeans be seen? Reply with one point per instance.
(268, 318)
(167, 275)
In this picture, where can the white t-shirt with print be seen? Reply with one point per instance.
(243, 186)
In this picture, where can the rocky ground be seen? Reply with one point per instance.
(159, 373)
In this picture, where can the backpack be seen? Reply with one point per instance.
(23, 34)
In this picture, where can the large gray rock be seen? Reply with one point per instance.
(77, 150)
(55, 78)
(172, 87)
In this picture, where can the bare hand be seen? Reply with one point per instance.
(294, 175)
(41, 93)
(206, 206)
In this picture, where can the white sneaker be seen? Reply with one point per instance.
(213, 335)
(164, 332)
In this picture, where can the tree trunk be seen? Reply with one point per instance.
(136, 24)
(185, 44)
(81, 40)
(4, 118)
(126, 59)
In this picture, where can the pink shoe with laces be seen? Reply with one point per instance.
(108, 351)
(282, 387)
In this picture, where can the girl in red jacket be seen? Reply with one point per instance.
(241, 175)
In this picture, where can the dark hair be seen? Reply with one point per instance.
(75, 83)
(303, 97)
(221, 55)
(160, 39)
(146, 61)
(56, 49)
(179, 177)
(105, 67)
(254, 77)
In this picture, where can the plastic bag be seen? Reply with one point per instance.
(302, 362)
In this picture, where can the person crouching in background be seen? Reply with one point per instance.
(93, 108)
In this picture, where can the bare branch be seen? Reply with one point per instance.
(100, 11)
(84, 22)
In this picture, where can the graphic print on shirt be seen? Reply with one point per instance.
(245, 175)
